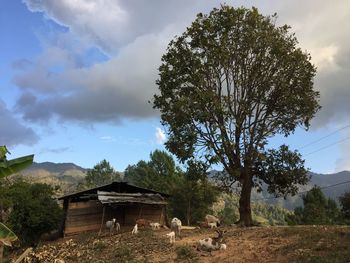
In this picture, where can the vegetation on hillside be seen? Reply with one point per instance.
(316, 210)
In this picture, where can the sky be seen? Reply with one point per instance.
(76, 76)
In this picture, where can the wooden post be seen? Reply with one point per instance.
(103, 218)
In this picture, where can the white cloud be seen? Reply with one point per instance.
(134, 35)
(160, 135)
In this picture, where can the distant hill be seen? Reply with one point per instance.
(65, 175)
(321, 180)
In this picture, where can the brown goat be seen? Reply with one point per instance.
(142, 222)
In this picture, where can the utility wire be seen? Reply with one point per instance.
(304, 192)
(327, 146)
(324, 137)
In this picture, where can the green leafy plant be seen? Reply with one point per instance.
(8, 167)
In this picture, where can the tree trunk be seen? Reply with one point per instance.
(245, 212)
(188, 213)
(1, 251)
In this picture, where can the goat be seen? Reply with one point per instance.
(210, 244)
(212, 225)
(117, 227)
(175, 226)
(110, 225)
(223, 247)
(134, 230)
(212, 219)
(154, 226)
(142, 222)
(171, 235)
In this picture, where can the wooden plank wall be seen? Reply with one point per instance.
(87, 216)
(83, 216)
(153, 213)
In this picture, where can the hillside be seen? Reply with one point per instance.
(69, 175)
(321, 180)
(257, 244)
(65, 175)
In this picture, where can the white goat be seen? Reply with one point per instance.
(134, 230)
(210, 244)
(171, 235)
(110, 225)
(175, 226)
(223, 247)
(212, 219)
(212, 225)
(155, 226)
(117, 227)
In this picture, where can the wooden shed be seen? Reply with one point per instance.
(89, 210)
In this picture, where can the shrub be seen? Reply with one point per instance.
(34, 211)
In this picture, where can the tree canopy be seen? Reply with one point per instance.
(102, 173)
(317, 209)
(230, 82)
(192, 195)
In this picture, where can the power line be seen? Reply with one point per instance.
(324, 137)
(329, 145)
(304, 192)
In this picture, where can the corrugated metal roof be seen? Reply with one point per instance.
(112, 187)
(120, 198)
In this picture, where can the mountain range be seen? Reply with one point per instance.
(68, 175)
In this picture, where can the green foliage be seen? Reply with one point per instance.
(262, 212)
(7, 236)
(282, 170)
(231, 81)
(191, 193)
(345, 203)
(101, 174)
(317, 210)
(195, 194)
(8, 167)
(159, 174)
(34, 212)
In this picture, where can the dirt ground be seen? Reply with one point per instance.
(258, 244)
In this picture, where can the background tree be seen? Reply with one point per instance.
(317, 210)
(33, 210)
(345, 204)
(159, 173)
(102, 173)
(231, 81)
(195, 194)
(192, 195)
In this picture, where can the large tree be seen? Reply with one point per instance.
(231, 81)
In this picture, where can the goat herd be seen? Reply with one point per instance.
(207, 244)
